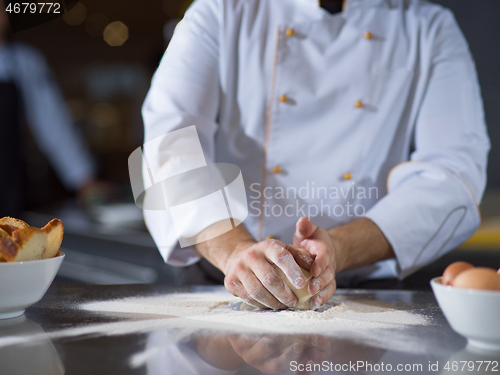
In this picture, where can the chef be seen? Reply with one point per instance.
(28, 91)
(358, 128)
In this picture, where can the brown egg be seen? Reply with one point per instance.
(478, 278)
(453, 270)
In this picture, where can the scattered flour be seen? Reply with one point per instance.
(179, 304)
(224, 308)
(366, 321)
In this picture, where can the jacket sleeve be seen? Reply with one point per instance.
(432, 201)
(184, 92)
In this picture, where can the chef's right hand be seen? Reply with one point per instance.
(250, 273)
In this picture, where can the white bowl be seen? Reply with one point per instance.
(472, 313)
(23, 284)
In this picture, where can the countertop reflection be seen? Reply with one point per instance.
(38, 357)
(57, 336)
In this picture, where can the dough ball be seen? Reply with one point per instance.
(302, 294)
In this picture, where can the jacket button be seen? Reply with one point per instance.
(347, 176)
(277, 169)
(368, 35)
(358, 104)
(290, 32)
(283, 98)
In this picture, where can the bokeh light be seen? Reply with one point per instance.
(76, 16)
(105, 115)
(115, 34)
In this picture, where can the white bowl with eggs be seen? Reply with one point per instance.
(473, 313)
(23, 284)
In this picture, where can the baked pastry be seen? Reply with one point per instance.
(13, 222)
(24, 244)
(21, 242)
(55, 231)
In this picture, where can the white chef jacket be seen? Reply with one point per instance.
(382, 96)
(46, 113)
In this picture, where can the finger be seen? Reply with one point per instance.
(316, 355)
(243, 343)
(322, 257)
(237, 289)
(261, 350)
(303, 229)
(320, 342)
(322, 280)
(270, 279)
(324, 295)
(282, 363)
(257, 292)
(277, 253)
(301, 256)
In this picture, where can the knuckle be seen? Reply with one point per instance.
(291, 302)
(270, 280)
(251, 255)
(284, 257)
(316, 284)
(255, 293)
(268, 243)
(230, 284)
(237, 268)
(330, 277)
(274, 244)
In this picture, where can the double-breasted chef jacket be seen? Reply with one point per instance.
(372, 112)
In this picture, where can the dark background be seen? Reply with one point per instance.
(104, 86)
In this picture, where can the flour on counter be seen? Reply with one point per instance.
(184, 314)
(179, 304)
(207, 309)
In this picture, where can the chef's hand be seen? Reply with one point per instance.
(319, 244)
(251, 273)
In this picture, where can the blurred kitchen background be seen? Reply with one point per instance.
(103, 54)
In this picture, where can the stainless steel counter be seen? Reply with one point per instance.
(55, 336)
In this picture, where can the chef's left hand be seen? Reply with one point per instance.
(319, 243)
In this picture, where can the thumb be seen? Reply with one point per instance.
(303, 229)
